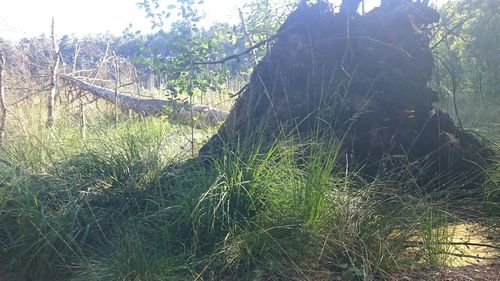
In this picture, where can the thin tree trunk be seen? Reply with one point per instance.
(104, 58)
(117, 86)
(75, 57)
(83, 123)
(454, 89)
(480, 84)
(53, 80)
(3, 107)
(191, 113)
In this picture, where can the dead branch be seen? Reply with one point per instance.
(145, 106)
(235, 56)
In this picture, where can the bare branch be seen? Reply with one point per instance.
(240, 91)
(235, 56)
(449, 32)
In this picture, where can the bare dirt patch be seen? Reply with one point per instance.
(464, 273)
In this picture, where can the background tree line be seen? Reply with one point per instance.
(465, 45)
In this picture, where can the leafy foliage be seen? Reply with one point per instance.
(467, 64)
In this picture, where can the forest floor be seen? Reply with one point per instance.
(489, 272)
(463, 273)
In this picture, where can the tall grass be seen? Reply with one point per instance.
(61, 196)
(127, 204)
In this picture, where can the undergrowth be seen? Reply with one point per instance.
(127, 204)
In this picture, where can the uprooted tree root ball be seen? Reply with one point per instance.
(363, 77)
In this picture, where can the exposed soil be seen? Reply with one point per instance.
(463, 273)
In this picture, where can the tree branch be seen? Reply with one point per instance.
(240, 91)
(449, 32)
(235, 56)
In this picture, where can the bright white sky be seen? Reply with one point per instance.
(26, 18)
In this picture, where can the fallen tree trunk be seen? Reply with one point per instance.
(365, 78)
(143, 106)
(149, 106)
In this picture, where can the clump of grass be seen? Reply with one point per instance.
(273, 214)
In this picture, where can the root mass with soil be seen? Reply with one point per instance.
(365, 77)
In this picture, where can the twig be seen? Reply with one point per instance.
(450, 31)
(418, 243)
(472, 244)
(470, 256)
(240, 91)
(125, 85)
(104, 59)
(235, 56)
(80, 71)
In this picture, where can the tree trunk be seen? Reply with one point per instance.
(117, 86)
(3, 107)
(147, 106)
(53, 80)
(364, 78)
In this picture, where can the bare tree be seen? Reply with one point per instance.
(53, 79)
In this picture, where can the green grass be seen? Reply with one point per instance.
(127, 203)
